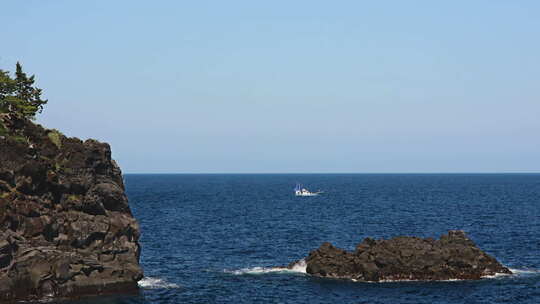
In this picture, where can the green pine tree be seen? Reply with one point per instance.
(19, 96)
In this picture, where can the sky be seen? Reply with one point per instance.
(288, 86)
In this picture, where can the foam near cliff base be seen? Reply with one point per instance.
(156, 283)
(299, 267)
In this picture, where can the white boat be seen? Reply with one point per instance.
(301, 191)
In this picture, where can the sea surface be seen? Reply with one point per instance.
(221, 238)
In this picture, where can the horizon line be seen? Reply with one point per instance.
(320, 173)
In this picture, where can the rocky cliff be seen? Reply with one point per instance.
(453, 256)
(66, 229)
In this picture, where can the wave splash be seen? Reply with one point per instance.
(298, 267)
(525, 272)
(156, 283)
(515, 272)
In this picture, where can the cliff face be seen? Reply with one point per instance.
(65, 225)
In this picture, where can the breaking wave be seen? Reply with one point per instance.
(497, 275)
(525, 272)
(299, 267)
(515, 272)
(156, 283)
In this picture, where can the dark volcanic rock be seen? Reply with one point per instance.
(454, 256)
(66, 229)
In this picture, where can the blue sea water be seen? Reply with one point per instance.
(219, 238)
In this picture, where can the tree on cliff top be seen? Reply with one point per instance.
(18, 95)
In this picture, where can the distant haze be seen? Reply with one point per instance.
(288, 86)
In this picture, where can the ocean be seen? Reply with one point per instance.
(221, 238)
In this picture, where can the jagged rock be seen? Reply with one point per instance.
(66, 229)
(453, 256)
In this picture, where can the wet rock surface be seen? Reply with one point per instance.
(453, 257)
(66, 229)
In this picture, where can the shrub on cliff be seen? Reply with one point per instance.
(18, 95)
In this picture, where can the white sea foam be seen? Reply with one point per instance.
(525, 271)
(156, 283)
(515, 272)
(299, 267)
(496, 275)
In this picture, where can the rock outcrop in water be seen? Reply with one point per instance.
(66, 229)
(453, 256)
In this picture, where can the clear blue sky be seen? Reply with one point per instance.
(289, 86)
